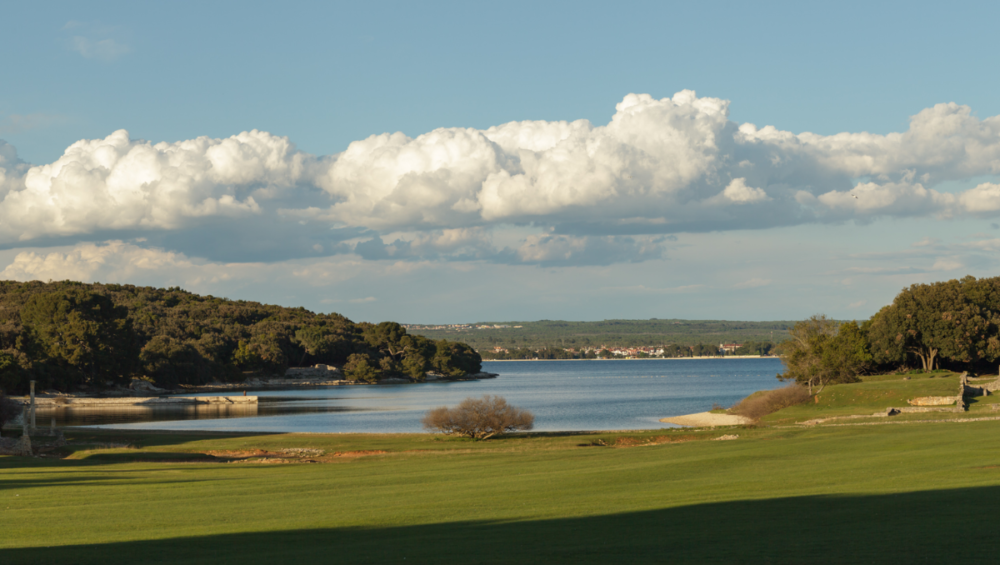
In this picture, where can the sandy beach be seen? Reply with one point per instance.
(705, 419)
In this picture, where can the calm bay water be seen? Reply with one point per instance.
(563, 395)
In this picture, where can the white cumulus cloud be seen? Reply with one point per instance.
(738, 192)
(984, 198)
(118, 183)
(584, 191)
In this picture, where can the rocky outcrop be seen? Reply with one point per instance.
(933, 401)
(993, 386)
(435, 376)
(144, 386)
(66, 402)
(322, 372)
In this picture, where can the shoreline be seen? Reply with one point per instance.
(649, 358)
(189, 394)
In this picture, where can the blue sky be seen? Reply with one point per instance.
(428, 162)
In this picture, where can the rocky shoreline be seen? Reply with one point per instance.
(295, 378)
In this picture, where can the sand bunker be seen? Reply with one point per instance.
(706, 419)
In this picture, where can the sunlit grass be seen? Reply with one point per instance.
(537, 498)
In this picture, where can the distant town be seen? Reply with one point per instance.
(458, 327)
(608, 352)
(621, 339)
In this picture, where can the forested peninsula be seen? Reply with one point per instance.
(72, 336)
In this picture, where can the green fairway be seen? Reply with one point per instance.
(875, 394)
(907, 493)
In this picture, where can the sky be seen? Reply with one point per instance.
(447, 162)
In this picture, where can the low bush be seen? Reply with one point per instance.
(479, 418)
(760, 404)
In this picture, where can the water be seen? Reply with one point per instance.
(563, 395)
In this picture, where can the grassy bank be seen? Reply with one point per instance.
(878, 392)
(789, 495)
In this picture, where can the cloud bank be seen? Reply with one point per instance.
(572, 192)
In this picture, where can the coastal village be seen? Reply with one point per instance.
(724, 349)
(459, 327)
(589, 351)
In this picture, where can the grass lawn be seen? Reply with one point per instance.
(873, 394)
(887, 494)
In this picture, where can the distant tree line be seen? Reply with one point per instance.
(68, 335)
(669, 350)
(952, 325)
(619, 333)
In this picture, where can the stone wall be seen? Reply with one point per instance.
(323, 372)
(933, 401)
(64, 402)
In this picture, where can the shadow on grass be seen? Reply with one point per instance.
(85, 440)
(919, 527)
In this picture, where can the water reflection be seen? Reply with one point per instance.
(563, 395)
(138, 414)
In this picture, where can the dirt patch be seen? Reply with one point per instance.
(237, 453)
(291, 455)
(302, 452)
(363, 453)
(273, 460)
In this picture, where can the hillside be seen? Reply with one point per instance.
(611, 333)
(69, 335)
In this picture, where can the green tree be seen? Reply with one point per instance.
(361, 367)
(415, 366)
(169, 361)
(704, 350)
(938, 321)
(384, 337)
(821, 353)
(327, 343)
(456, 359)
(84, 332)
(245, 357)
(11, 373)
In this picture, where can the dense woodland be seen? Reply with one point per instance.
(952, 325)
(70, 335)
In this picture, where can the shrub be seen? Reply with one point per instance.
(760, 404)
(479, 418)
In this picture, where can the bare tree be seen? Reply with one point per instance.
(479, 418)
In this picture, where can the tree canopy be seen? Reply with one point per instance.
(67, 334)
(820, 353)
(954, 322)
